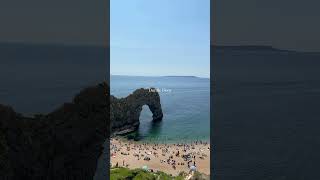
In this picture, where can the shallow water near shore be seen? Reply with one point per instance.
(185, 103)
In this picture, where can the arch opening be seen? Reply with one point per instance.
(145, 120)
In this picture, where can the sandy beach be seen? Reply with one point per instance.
(169, 158)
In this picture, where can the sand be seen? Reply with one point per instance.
(131, 154)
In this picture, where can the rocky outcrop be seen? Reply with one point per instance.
(64, 144)
(125, 112)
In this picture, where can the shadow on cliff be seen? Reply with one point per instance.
(64, 144)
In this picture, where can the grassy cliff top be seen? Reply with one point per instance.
(140, 174)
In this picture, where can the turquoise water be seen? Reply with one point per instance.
(185, 103)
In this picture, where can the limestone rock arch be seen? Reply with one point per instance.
(125, 112)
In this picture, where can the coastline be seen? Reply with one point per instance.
(170, 158)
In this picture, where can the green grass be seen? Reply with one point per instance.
(140, 174)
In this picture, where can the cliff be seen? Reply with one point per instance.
(64, 144)
(125, 112)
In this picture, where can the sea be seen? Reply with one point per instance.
(185, 102)
(39, 78)
(266, 114)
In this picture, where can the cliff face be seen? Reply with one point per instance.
(64, 144)
(125, 112)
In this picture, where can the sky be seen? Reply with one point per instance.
(160, 37)
(284, 24)
(71, 22)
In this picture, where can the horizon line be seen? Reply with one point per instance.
(266, 46)
(103, 45)
(161, 76)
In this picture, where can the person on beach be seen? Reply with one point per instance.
(170, 157)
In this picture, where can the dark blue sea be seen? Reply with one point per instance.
(38, 78)
(266, 114)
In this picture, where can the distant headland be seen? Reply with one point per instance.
(265, 48)
(164, 76)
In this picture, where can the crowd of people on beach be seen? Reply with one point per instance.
(171, 155)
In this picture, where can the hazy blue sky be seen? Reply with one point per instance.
(160, 37)
(286, 24)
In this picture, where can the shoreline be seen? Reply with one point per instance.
(171, 158)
